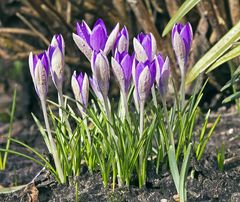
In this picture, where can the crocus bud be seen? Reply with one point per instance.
(181, 41)
(122, 42)
(80, 87)
(96, 39)
(145, 47)
(162, 74)
(56, 53)
(101, 72)
(122, 70)
(39, 70)
(144, 74)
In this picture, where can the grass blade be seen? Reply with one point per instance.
(214, 53)
(235, 52)
(182, 11)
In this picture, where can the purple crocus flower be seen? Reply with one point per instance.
(145, 47)
(96, 39)
(144, 76)
(80, 87)
(101, 72)
(56, 53)
(182, 36)
(122, 69)
(162, 74)
(122, 42)
(39, 69)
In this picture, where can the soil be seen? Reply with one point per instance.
(205, 181)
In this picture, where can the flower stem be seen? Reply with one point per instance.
(52, 143)
(182, 91)
(62, 113)
(125, 103)
(141, 168)
(170, 133)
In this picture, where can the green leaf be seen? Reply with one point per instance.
(182, 11)
(214, 53)
(183, 174)
(8, 190)
(173, 167)
(231, 97)
(228, 56)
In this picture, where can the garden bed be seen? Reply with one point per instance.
(205, 182)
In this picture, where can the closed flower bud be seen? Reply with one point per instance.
(80, 87)
(101, 72)
(122, 69)
(162, 74)
(39, 70)
(145, 47)
(122, 42)
(56, 53)
(144, 74)
(181, 41)
(96, 39)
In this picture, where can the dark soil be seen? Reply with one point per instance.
(205, 182)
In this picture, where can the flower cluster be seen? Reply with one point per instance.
(119, 142)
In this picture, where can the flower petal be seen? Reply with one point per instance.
(98, 38)
(141, 55)
(111, 39)
(83, 46)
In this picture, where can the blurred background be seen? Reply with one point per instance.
(28, 25)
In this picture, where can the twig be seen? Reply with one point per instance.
(41, 36)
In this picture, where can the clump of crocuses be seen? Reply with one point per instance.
(118, 142)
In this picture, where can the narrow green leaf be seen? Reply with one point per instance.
(214, 53)
(173, 167)
(183, 174)
(182, 11)
(231, 97)
(13, 109)
(8, 190)
(235, 52)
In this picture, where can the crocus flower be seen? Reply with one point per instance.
(144, 76)
(122, 42)
(162, 74)
(101, 72)
(145, 47)
(56, 53)
(122, 69)
(39, 69)
(182, 36)
(96, 39)
(80, 87)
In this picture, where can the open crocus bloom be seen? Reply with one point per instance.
(96, 39)
(39, 69)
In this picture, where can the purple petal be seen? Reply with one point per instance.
(140, 37)
(51, 50)
(138, 71)
(147, 45)
(98, 38)
(126, 65)
(83, 31)
(152, 69)
(102, 24)
(187, 34)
